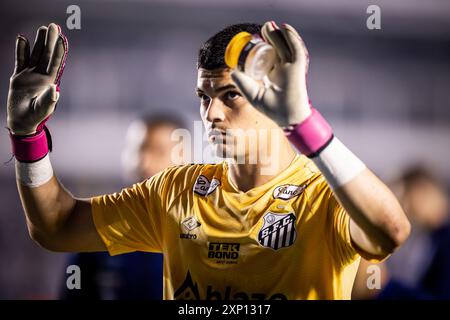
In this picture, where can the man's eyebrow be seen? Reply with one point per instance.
(228, 86)
(223, 88)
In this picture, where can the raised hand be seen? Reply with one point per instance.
(34, 85)
(284, 97)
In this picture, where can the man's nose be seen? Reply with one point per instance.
(215, 112)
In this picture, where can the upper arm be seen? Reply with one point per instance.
(348, 238)
(132, 219)
(125, 221)
(78, 233)
(57, 220)
(378, 224)
(366, 247)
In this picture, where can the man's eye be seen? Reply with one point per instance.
(232, 95)
(203, 97)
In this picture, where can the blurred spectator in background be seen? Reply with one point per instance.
(420, 269)
(137, 275)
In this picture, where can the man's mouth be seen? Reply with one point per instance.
(216, 136)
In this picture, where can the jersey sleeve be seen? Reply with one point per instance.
(339, 227)
(132, 219)
(335, 222)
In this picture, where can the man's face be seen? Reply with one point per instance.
(224, 110)
(428, 204)
(156, 150)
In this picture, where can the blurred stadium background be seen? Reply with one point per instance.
(386, 92)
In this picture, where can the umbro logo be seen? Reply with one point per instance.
(189, 224)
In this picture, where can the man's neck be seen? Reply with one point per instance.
(247, 176)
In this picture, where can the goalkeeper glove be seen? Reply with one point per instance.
(34, 92)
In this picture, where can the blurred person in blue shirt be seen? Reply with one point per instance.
(137, 275)
(420, 269)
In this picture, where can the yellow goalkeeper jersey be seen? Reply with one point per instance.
(286, 239)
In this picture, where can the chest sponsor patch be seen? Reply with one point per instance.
(223, 253)
(278, 230)
(288, 191)
(205, 187)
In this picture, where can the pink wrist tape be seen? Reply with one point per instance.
(312, 135)
(31, 148)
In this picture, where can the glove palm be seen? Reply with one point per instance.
(283, 95)
(33, 88)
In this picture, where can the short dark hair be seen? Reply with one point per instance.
(211, 53)
(416, 174)
(411, 178)
(161, 118)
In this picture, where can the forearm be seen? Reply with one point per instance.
(46, 203)
(378, 223)
(55, 219)
(378, 218)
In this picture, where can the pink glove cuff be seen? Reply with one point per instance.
(312, 135)
(31, 148)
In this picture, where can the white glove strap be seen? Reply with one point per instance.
(338, 164)
(34, 174)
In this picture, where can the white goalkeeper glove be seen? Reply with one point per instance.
(33, 89)
(284, 97)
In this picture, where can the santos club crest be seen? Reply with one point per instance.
(278, 230)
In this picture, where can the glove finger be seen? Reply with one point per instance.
(45, 103)
(22, 54)
(39, 43)
(249, 87)
(58, 59)
(50, 41)
(299, 53)
(273, 35)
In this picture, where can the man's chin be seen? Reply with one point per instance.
(219, 150)
(223, 151)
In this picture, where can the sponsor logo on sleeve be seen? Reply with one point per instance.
(205, 187)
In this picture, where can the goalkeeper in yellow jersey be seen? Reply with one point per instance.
(265, 223)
